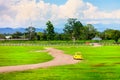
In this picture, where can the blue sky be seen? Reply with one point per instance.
(106, 5)
(20, 13)
(58, 2)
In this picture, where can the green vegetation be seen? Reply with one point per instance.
(18, 35)
(100, 63)
(31, 34)
(2, 36)
(73, 29)
(50, 31)
(52, 43)
(110, 34)
(12, 55)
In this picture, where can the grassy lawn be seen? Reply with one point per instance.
(18, 55)
(100, 63)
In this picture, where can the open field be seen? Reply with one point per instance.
(12, 55)
(100, 63)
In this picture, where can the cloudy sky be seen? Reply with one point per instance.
(21, 13)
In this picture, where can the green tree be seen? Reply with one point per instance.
(89, 31)
(42, 36)
(50, 31)
(116, 35)
(31, 33)
(108, 34)
(58, 36)
(102, 35)
(39, 35)
(2, 36)
(73, 28)
(17, 35)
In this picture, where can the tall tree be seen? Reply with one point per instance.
(50, 31)
(73, 28)
(89, 31)
(31, 32)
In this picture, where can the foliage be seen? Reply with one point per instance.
(50, 31)
(57, 36)
(39, 36)
(111, 34)
(2, 36)
(108, 34)
(89, 32)
(73, 28)
(116, 35)
(17, 35)
(31, 34)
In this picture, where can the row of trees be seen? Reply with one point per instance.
(76, 31)
(110, 34)
(73, 30)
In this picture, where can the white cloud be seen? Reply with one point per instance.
(23, 12)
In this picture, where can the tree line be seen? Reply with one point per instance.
(73, 30)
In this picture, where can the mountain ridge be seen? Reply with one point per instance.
(8, 30)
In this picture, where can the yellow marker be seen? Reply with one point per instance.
(78, 56)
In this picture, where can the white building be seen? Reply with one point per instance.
(8, 37)
(96, 38)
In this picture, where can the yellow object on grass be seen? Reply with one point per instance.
(78, 56)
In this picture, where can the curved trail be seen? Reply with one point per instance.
(59, 59)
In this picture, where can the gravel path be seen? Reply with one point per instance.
(59, 59)
(96, 45)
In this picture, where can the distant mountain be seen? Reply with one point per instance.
(99, 27)
(13, 30)
(6, 30)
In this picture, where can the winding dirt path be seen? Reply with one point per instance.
(59, 59)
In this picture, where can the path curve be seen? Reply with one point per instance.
(59, 59)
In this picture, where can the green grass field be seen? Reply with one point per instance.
(100, 63)
(18, 55)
